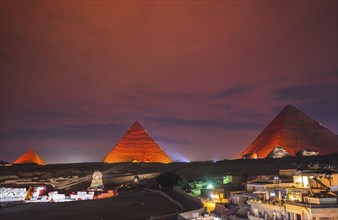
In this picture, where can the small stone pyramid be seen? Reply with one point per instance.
(278, 152)
(293, 130)
(30, 157)
(136, 146)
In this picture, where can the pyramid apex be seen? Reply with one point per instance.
(290, 111)
(136, 127)
(290, 107)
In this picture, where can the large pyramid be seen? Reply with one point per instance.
(30, 157)
(293, 131)
(136, 146)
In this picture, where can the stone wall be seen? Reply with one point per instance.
(190, 214)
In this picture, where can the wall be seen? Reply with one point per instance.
(190, 214)
(330, 212)
(165, 217)
(254, 187)
(287, 173)
(325, 213)
(323, 201)
(268, 208)
(251, 187)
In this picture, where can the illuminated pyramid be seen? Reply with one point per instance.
(293, 131)
(136, 146)
(30, 157)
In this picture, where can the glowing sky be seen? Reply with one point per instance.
(204, 78)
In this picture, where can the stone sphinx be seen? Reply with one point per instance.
(97, 183)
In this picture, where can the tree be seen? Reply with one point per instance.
(184, 184)
(168, 179)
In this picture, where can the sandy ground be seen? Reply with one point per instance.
(11, 175)
(140, 204)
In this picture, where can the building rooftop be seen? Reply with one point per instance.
(311, 205)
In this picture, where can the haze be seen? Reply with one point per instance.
(204, 78)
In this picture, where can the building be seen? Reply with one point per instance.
(312, 195)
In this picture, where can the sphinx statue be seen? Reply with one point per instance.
(97, 183)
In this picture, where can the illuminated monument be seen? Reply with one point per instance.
(30, 157)
(292, 130)
(136, 146)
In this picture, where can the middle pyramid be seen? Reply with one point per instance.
(136, 146)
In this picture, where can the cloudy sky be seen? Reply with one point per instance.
(204, 78)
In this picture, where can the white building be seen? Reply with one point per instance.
(311, 196)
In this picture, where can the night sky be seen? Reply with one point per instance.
(204, 78)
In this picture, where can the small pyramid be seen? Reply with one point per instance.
(306, 153)
(30, 157)
(293, 130)
(136, 146)
(278, 152)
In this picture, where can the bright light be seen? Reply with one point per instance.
(209, 205)
(227, 179)
(210, 186)
(214, 196)
(305, 181)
